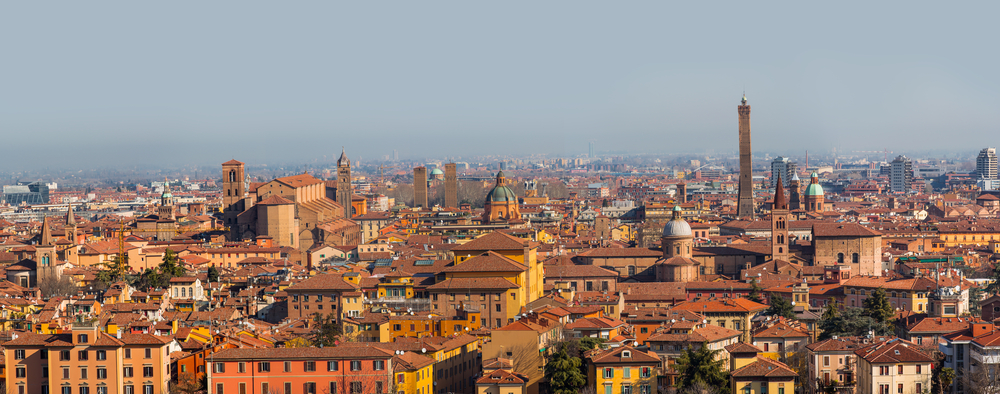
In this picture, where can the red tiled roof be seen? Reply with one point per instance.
(488, 262)
(495, 241)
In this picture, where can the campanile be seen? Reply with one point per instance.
(745, 207)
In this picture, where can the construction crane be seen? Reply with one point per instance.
(381, 174)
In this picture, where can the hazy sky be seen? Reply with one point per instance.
(97, 83)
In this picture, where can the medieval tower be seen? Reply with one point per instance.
(745, 207)
(344, 191)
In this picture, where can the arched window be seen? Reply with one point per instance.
(855, 258)
(781, 250)
(840, 258)
(678, 250)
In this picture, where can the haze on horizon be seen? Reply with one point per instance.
(126, 83)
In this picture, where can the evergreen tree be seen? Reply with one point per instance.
(877, 306)
(326, 330)
(852, 322)
(701, 366)
(831, 311)
(975, 300)
(755, 292)
(994, 286)
(563, 373)
(169, 267)
(213, 274)
(590, 343)
(780, 307)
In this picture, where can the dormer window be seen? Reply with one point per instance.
(626, 354)
(82, 338)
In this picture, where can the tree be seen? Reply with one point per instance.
(326, 330)
(563, 373)
(700, 388)
(975, 301)
(52, 286)
(755, 291)
(213, 274)
(877, 306)
(187, 383)
(945, 377)
(781, 307)
(994, 286)
(831, 311)
(981, 381)
(590, 343)
(701, 365)
(852, 322)
(169, 267)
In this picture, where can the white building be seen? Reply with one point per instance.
(901, 175)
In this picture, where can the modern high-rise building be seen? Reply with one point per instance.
(986, 164)
(591, 150)
(450, 186)
(420, 187)
(744, 209)
(901, 175)
(783, 168)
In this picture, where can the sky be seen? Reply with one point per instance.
(91, 84)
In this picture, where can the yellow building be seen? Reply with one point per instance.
(414, 373)
(756, 374)
(623, 370)
(519, 250)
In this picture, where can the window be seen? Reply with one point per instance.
(82, 355)
(378, 387)
(149, 353)
(644, 372)
(45, 389)
(218, 388)
(840, 258)
(379, 365)
(919, 388)
(81, 338)
(44, 354)
(67, 390)
(355, 366)
(102, 373)
(309, 388)
(147, 389)
(331, 366)
(288, 366)
(83, 373)
(609, 373)
(265, 388)
(65, 372)
(333, 388)
(102, 355)
(84, 390)
(264, 366)
(626, 388)
(855, 258)
(241, 367)
(626, 373)
(128, 353)
(310, 366)
(21, 372)
(64, 355)
(147, 372)
(127, 371)
(899, 370)
(288, 388)
(19, 354)
(356, 387)
(899, 388)
(45, 372)
(826, 361)
(918, 371)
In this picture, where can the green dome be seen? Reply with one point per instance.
(437, 171)
(501, 194)
(814, 190)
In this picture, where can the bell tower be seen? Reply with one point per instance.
(233, 192)
(779, 224)
(344, 191)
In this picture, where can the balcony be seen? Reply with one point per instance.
(416, 304)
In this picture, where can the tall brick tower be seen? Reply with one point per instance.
(344, 190)
(233, 192)
(779, 224)
(745, 207)
(450, 186)
(420, 187)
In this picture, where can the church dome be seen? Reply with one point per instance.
(814, 188)
(437, 171)
(677, 227)
(501, 194)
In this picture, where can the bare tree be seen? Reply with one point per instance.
(981, 380)
(526, 360)
(52, 286)
(187, 383)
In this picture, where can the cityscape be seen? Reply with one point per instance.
(475, 199)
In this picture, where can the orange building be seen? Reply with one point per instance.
(87, 361)
(331, 370)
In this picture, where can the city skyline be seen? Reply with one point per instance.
(430, 82)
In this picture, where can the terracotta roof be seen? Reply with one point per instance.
(488, 262)
(502, 377)
(843, 230)
(276, 200)
(339, 352)
(300, 180)
(323, 282)
(742, 347)
(622, 252)
(765, 367)
(893, 351)
(780, 330)
(577, 271)
(473, 283)
(232, 162)
(725, 305)
(495, 241)
(614, 355)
